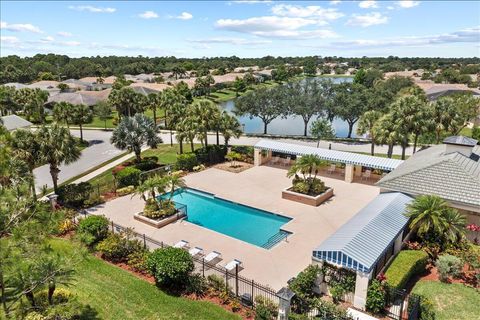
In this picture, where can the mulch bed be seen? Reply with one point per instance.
(239, 166)
(467, 278)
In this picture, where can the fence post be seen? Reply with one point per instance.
(404, 297)
(144, 242)
(113, 230)
(285, 296)
(226, 280)
(236, 280)
(253, 298)
(203, 267)
(161, 244)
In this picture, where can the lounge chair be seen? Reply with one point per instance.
(367, 174)
(212, 256)
(233, 264)
(195, 251)
(276, 160)
(331, 169)
(182, 244)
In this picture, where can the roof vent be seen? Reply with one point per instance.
(459, 144)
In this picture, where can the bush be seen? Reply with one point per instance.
(93, 229)
(211, 155)
(74, 195)
(426, 310)
(129, 176)
(171, 267)
(125, 190)
(448, 266)
(376, 297)
(476, 133)
(246, 152)
(266, 309)
(146, 165)
(196, 285)
(199, 168)
(216, 283)
(303, 286)
(157, 211)
(116, 247)
(186, 161)
(94, 200)
(407, 263)
(137, 260)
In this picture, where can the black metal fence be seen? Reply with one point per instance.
(244, 289)
(402, 306)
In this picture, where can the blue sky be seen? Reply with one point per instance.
(241, 28)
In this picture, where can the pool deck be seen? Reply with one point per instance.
(259, 187)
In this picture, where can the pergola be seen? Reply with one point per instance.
(350, 159)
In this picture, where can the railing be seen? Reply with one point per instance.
(402, 306)
(236, 285)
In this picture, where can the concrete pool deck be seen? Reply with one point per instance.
(259, 187)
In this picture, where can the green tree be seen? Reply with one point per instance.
(81, 114)
(103, 111)
(152, 102)
(310, 67)
(57, 146)
(264, 103)
(239, 86)
(230, 127)
(32, 101)
(63, 87)
(126, 101)
(152, 186)
(187, 129)
(204, 113)
(280, 74)
(351, 101)
(132, 132)
(308, 165)
(385, 132)
(322, 129)
(62, 112)
(8, 104)
(366, 125)
(249, 79)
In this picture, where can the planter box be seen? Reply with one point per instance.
(158, 223)
(306, 199)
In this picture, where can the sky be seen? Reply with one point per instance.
(247, 28)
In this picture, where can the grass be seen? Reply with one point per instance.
(116, 294)
(450, 301)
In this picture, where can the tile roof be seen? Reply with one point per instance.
(362, 240)
(460, 140)
(13, 122)
(454, 176)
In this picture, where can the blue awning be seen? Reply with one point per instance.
(360, 242)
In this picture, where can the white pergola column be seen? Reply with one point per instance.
(257, 157)
(358, 171)
(349, 170)
(398, 244)
(361, 287)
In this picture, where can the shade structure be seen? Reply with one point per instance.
(362, 241)
(386, 164)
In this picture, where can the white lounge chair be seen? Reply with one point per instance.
(331, 169)
(195, 251)
(182, 244)
(233, 264)
(212, 256)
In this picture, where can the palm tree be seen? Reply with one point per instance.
(366, 124)
(132, 132)
(230, 127)
(309, 166)
(126, 101)
(153, 185)
(454, 225)
(426, 214)
(81, 114)
(176, 112)
(54, 271)
(175, 181)
(187, 129)
(384, 131)
(152, 102)
(204, 113)
(57, 146)
(62, 112)
(26, 146)
(103, 111)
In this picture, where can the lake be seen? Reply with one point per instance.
(292, 125)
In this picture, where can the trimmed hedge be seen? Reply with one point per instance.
(129, 176)
(186, 161)
(406, 264)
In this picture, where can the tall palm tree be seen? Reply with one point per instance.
(132, 132)
(152, 102)
(153, 186)
(81, 114)
(62, 112)
(55, 271)
(176, 112)
(308, 166)
(385, 133)
(366, 124)
(187, 129)
(26, 146)
(57, 146)
(205, 112)
(426, 214)
(454, 225)
(229, 127)
(174, 181)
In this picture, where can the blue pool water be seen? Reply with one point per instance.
(248, 224)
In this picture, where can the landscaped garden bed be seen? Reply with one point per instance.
(306, 187)
(159, 223)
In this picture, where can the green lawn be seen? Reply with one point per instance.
(117, 294)
(451, 301)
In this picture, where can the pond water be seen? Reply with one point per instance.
(292, 125)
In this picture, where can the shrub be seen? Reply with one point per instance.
(137, 260)
(186, 161)
(34, 316)
(146, 165)
(93, 229)
(376, 297)
(212, 154)
(303, 286)
(198, 168)
(94, 200)
(216, 283)
(74, 195)
(196, 285)
(125, 190)
(328, 310)
(245, 151)
(476, 133)
(448, 266)
(406, 264)
(66, 226)
(157, 211)
(266, 309)
(171, 267)
(426, 310)
(116, 247)
(129, 176)
(236, 306)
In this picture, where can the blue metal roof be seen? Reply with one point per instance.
(360, 242)
(330, 155)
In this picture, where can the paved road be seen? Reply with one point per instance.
(99, 151)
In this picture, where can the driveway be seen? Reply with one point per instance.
(99, 151)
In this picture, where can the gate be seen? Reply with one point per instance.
(402, 306)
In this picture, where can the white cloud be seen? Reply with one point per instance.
(64, 34)
(391, 8)
(20, 27)
(69, 43)
(367, 20)
(317, 12)
(185, 16)
(227, 40)
(469, 35)
(408, 3)
(93, 9)
(9, 39)
(368, 4)
(47, 39)
(252, 1)
(335, 2)
(148, 15)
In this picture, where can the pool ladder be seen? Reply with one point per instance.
(276, 238)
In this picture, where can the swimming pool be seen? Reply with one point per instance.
(255, 226)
